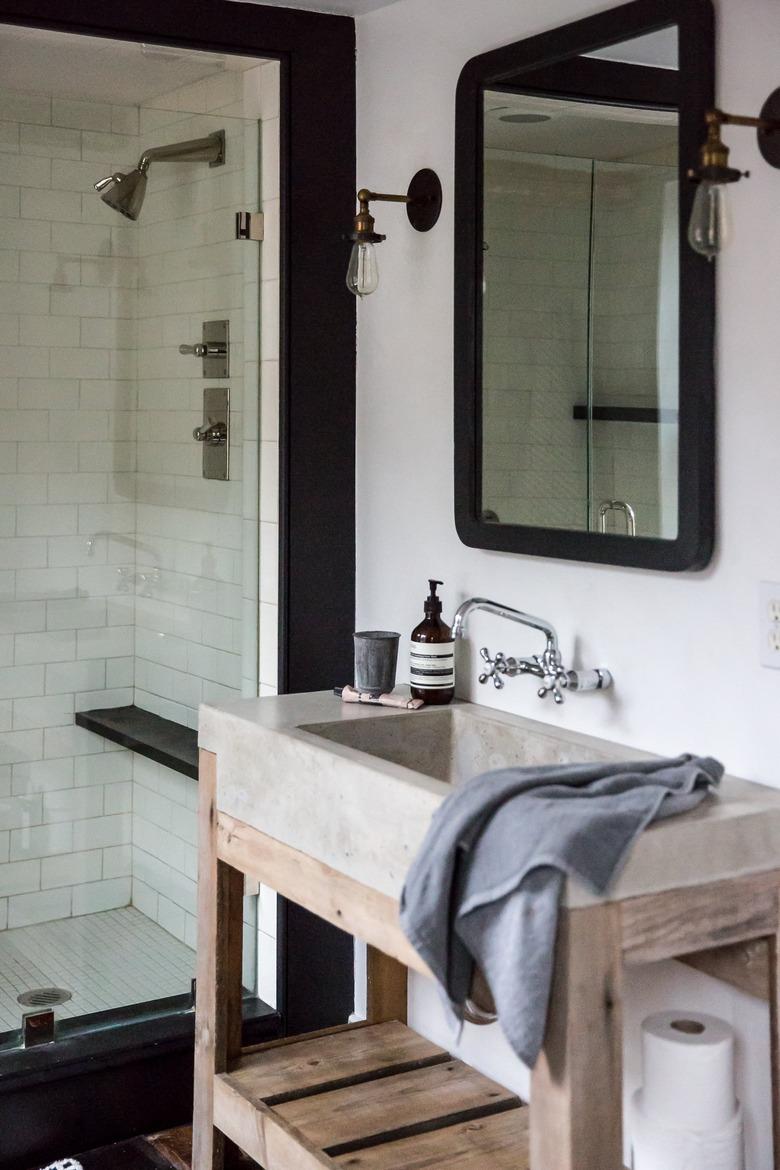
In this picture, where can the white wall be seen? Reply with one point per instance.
(684, 649)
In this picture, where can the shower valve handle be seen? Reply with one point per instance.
(201, 350)
(215, 435)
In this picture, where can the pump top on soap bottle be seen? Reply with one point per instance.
(432, 654)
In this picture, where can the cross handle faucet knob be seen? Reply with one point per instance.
(554, 684)
(494, 668)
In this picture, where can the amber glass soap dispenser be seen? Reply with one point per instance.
(432, 655)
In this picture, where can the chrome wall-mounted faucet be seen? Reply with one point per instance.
(547, 666)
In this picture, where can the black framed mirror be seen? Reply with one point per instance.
(584, 322)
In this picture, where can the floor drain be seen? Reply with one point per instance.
(44, 997)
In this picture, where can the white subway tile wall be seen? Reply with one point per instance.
(124, 575)
(67, 502)
(537, 214)
(544, 276)
(164, 857)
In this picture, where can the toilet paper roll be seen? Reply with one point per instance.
(688, 1071)
(658, 1147)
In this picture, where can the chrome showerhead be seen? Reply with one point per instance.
(125, 193)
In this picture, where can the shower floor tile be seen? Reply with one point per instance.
(106, 960)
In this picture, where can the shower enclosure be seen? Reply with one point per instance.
(136, 581)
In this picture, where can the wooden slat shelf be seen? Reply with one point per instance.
(499, 1142)
(372, 1098)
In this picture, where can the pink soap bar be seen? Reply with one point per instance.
(350, 695)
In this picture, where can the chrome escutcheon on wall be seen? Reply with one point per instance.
(214, 432)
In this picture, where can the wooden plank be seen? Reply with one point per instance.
(205, 1152)
(386, 984)
(365, 1111)
(490, 1143)
(174, 1146)
(342, 1056)
(230, 938)
(743, 965)
(774, 1025)
(283, 1041)
(262, 1134)
(218, 999)
(365, 913)
(697, 918)
(577, 1084)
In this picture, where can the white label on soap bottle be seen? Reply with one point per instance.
(432, 665)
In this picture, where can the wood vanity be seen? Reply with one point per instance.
(287, 797)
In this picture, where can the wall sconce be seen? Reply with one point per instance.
(709, 226)
(423, 205)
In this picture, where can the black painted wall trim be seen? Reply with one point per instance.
(317, 429)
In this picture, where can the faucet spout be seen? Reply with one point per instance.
(506, 611)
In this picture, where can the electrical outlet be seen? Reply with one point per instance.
(769, 624)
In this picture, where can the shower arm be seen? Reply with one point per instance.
(210, 150)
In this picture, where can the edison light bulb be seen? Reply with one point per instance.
(709, 229)
(363, 271)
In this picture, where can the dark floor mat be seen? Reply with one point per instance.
(137, 1154)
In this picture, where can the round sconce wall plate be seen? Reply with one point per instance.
(769, 140)
(425, 196)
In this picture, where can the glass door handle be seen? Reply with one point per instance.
(618, 506)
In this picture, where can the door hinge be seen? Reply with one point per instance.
(249, 225)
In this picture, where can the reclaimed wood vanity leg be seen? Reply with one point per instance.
(218, 995)
(774, 1026)
(577, 1085)
(386, 984)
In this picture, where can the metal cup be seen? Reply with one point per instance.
(376, 656)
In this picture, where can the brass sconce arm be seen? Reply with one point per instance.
(423, 204)
(363, 230)
(721, 118)
(370, 196)
(714, 155)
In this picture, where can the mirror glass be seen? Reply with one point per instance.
(580, 301)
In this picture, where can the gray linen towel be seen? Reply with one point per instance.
(486, 885)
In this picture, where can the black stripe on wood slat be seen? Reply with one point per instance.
(373, 1074)
(421, 1127)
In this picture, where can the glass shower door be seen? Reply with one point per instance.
(129, 581)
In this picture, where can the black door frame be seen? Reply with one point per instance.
(317, 417)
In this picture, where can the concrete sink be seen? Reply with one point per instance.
(356, 787)
(453, 744)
